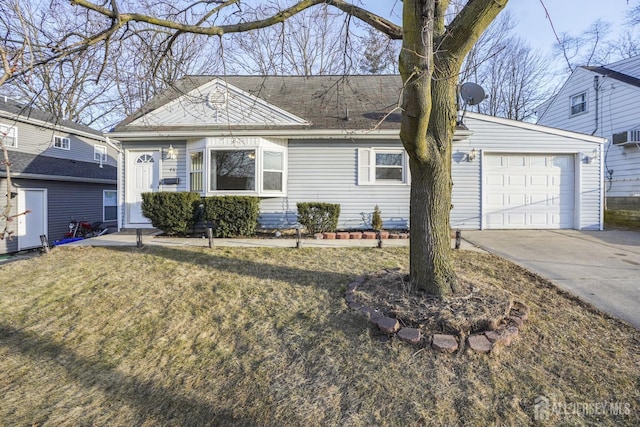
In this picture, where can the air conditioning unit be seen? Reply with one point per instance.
(629, 136)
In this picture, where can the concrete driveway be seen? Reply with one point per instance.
(601, 267)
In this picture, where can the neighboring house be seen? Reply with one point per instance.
(605, 101)
(335, 139)
(59, 170)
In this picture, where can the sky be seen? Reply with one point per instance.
(568, 16)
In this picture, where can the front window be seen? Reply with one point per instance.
(389, 166)
(9, 135)
(196, 183)
(100, 153)
(61, 142)
(272, 170)
(110, 205)
(579, 103)
(233, 170)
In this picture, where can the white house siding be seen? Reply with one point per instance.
(618, 111)
(492, 135)
(326, 171)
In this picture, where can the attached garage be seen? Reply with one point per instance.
(528, 191)
(525, 176)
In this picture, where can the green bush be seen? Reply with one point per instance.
(232, 216)
(171, 212)
(319, 217)
(376, 219)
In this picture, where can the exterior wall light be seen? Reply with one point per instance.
(471, 156)
(171, 153)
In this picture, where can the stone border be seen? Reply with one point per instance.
(483, 342)
(356, 235)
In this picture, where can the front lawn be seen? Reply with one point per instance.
(237, 336)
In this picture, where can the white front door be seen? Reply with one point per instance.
(143, 176)
(534, 191)
(33, 224)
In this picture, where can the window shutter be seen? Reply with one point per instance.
(364, 166)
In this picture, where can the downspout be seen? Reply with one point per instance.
(596, 87)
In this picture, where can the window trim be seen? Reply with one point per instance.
(98, 156)
(62, 140)
(367, 165)
(584, 102)
(9, 129)
(104, 206)
(201, 171)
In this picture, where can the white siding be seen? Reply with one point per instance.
(497, 136)
(618, 111)
(326, 171)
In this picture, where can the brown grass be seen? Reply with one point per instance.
(191, 336)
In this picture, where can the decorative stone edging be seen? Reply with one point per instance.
(371, 235)
(483, 342)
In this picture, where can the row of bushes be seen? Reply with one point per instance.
(177, 213)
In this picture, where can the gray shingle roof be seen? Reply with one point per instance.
(14, 107)
(53, 166)
(625, 78)
(326, 102)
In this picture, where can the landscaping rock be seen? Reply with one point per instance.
(394, 236)
(342, 235)
(403, 235)
(410, 335)
(517, 320)
(355, 235)
(384, 234)
(387, 325)
(479, 343)
(494, 336)
(369, 235)
(318, 236)
(329, 236)
(444, 343)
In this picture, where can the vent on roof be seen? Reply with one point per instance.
(627, 137)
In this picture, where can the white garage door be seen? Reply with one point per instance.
(528, 191)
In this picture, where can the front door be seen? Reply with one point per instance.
(33, 224)
(143, 176)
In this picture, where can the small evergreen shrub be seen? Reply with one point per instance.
(318, 217)
(232, 216)
(376, 219)
(171, 212)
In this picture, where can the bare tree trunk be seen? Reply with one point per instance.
(431, 267)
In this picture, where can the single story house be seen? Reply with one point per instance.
(60, 170)
(335, 139)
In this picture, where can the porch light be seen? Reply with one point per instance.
(471, 156)
(171, 153)
(591, 158)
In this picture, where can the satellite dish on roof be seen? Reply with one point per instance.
(472, 93)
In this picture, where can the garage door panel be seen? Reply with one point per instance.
(539, 192)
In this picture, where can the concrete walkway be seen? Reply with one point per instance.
(601, 267)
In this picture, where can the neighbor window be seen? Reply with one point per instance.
(382, 166)
(109, 205)
(579, 103)
(61, 142)
(233, 170)
(100, 153)
(196, 170)
(9, 135)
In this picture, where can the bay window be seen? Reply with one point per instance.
(237, 166)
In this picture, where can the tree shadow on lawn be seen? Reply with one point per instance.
(150, 400)
(323, 277)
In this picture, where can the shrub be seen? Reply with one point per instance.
(376, 219)
(232, 216)
(319, 217)
(171, 212)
